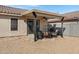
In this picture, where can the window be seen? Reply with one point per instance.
(14, 24)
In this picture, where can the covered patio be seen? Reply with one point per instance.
(42, 17)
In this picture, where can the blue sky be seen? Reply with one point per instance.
(50, 8)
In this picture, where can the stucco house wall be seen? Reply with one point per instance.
(5, 27)
(43, 25)
(72, 28)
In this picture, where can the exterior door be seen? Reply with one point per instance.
(30, 26)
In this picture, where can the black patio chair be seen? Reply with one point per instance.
(60, 32)
(40, 34)
(54, 32)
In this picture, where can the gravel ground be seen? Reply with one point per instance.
(22, 44)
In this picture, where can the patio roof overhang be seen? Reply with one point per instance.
(71, 19)
(40, 13)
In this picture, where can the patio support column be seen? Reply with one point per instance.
(62, 26)
(35, 31)
(46, 29)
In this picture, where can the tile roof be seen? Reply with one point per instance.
(11, 10)
(5, 10)
(71, 15)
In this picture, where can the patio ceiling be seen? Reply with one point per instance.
(39, 13)
(55, 20)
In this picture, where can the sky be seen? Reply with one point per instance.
(51, 8)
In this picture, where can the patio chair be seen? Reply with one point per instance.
(54, 32)
(59, 32)
(40, 34)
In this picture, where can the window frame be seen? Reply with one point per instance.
(14, 24)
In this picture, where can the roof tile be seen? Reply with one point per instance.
(11, 10)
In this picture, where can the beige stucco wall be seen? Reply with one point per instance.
(57, 24)
(43, 25)
(5, 24)
(72, 28)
